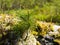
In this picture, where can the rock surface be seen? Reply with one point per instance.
(30, 40)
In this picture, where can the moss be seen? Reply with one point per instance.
(44, 27)
(38, 43)
(57, 40)
(34, 32)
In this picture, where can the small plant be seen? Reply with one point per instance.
(27, 21)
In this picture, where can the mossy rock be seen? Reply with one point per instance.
(34, 32)
(44, 27)
(38, 43)
(57, 40)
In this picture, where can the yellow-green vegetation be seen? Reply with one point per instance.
(57, 40)
(44, 27)
(34, 32)
(37, 43)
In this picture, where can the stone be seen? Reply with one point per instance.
(30, 40)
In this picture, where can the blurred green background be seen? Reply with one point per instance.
(46, 10)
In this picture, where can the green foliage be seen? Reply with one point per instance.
(28, 4)
(27, 22)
